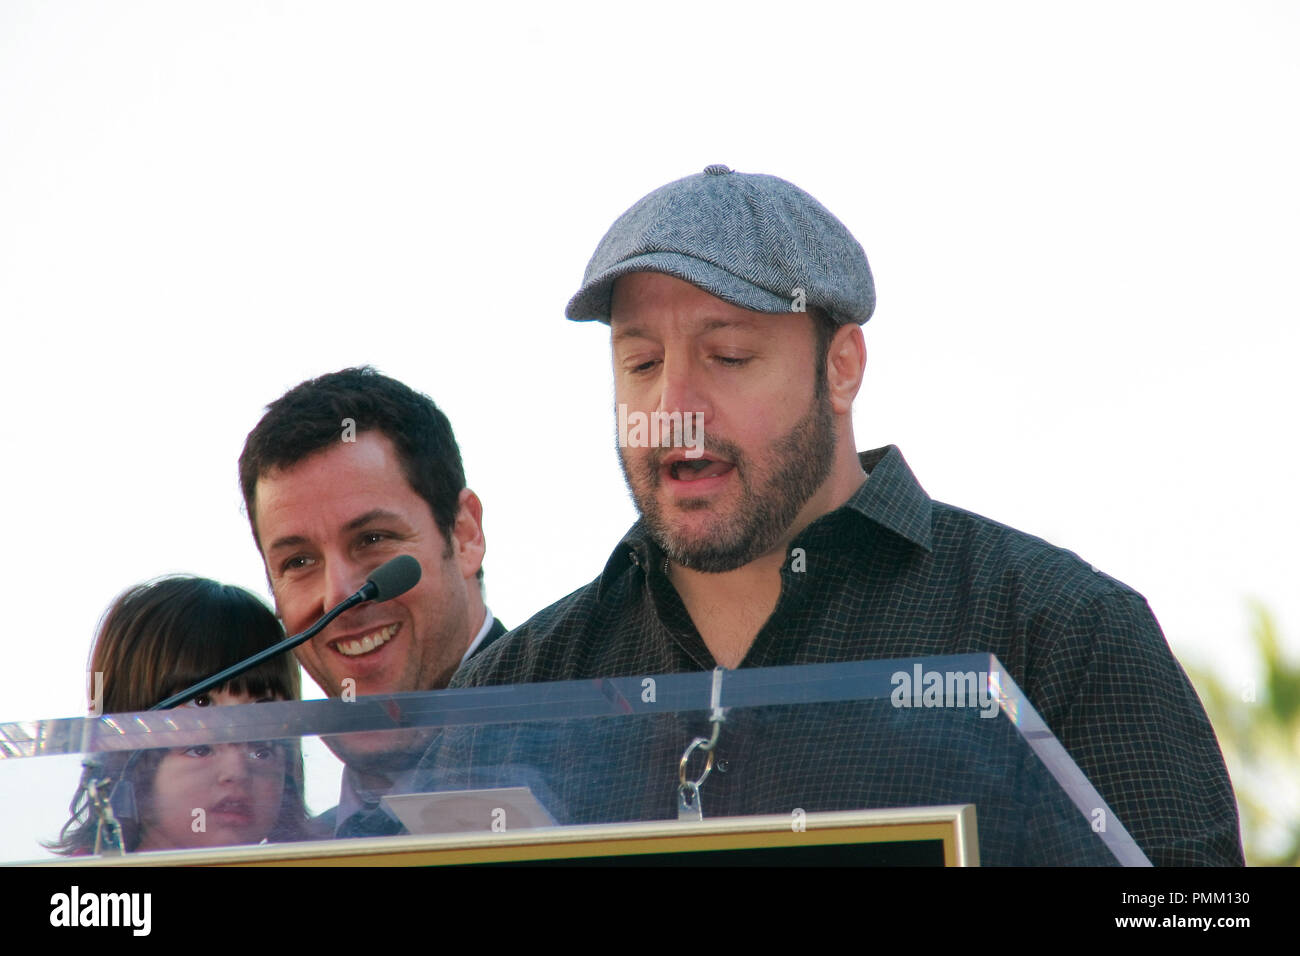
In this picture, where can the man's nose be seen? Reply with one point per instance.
(342, 579)
(682, 387)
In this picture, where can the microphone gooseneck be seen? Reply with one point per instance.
(391, 579)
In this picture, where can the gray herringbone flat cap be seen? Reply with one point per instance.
(755, 241)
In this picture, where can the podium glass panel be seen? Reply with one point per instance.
(791, 742)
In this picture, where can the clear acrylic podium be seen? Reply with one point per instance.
(935, 760)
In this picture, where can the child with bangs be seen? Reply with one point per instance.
(155, 640)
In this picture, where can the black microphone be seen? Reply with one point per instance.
(389, 580)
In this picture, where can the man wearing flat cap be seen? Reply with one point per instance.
(737, 301)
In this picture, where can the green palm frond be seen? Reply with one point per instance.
(1258, 726)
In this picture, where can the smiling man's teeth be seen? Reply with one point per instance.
(368, 643)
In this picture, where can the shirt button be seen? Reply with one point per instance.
(722, 766)
(632, 556)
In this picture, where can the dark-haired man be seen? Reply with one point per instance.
(342, 473)
(738, 300)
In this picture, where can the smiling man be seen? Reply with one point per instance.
(343, 473)
(740, 298)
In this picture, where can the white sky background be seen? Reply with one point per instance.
(1082, 218)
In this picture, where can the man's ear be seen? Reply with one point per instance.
(846, 362)
(467, 534)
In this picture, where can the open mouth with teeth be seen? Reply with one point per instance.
(367, 643)
(697, 468)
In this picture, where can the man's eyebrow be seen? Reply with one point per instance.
(288, 541)
(744, 323)
(371, 516)
(738, 322)
(628, 332)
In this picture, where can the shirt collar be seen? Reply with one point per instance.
(892, 499)
(482, 633)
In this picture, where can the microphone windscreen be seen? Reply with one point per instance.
(394, 577)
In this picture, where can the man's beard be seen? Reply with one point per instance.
(802, 459)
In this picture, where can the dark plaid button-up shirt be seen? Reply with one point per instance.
(893, 574)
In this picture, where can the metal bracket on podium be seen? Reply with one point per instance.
(689, 804)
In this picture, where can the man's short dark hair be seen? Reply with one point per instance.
(311, 417)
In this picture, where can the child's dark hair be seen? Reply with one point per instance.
(157, 639)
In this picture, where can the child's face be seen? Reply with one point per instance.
(215, 795)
